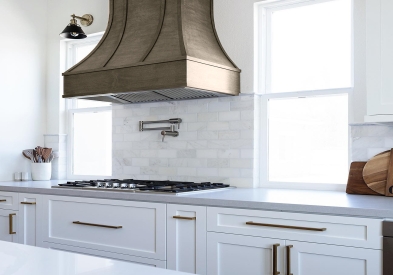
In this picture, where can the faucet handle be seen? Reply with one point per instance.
(176, 121)
(163, 133)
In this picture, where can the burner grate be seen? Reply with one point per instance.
(145, 186)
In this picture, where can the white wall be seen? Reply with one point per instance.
(22, 81)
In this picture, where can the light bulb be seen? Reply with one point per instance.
(74, 34)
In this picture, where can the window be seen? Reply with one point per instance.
(89, 125)
(304, 78)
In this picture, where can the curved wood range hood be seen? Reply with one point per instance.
(155, 50)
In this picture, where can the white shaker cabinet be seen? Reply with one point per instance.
(8, 225)
(235, 254)
(242, 242)
(30, 219)
(309, 259)
(186, 238)
(379, 61)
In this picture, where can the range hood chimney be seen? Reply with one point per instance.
(155, 50)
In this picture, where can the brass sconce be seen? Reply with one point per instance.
(73, 30)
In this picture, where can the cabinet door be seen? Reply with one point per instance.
(310, 259)
(29, 219)
(379, 60)
(186, 238)
(9, 226)
(235, 254)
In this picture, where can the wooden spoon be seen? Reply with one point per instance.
(28, 154)
(46, 152)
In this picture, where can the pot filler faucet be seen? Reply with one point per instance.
(165, 131)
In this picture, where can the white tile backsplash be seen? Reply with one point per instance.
(215, 142)
(369, 140)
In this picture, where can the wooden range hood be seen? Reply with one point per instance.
(155, 50)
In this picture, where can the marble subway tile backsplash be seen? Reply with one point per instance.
(215, 142)
(369, 140)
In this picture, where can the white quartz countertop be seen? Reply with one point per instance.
(17, 259)
(319, 202)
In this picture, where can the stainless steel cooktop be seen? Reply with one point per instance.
(145, 186)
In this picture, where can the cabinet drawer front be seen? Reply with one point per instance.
(9, 200)
(347, 231)
(132, 228)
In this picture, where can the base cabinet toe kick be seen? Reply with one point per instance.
(199, 239)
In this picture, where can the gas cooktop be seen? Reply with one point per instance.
(144, 186)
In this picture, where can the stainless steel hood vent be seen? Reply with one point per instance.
(155, 50)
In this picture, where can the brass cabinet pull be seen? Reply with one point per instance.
(3, 200)
(275, 272)
(29, 203)
(98, 225)
(184, 218)
(289, 259)
(286, 226)
(11, 224)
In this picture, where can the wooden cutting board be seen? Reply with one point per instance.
(378, 173)
(356, 184)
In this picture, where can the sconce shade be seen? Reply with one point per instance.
(73, 31)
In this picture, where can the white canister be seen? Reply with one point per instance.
(41, 171)
(17, 176)
(25, 176)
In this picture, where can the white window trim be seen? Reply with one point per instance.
(71, 105)
(262, 86)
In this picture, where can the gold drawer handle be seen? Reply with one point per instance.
(29, 203)
(11, 224)
(286, 226)
(289, 260)
(3, 200)
(275, 271)
(184, 218)
(98, 225)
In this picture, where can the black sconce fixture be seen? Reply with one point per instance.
(73, 30)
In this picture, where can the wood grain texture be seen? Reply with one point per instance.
(168, 44)
(158, 31)
(356, 184)
(389, 181)
(375, 172)
(147, 39)
(199, 33)
(130, 79)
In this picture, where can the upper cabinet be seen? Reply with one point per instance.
(379, 61)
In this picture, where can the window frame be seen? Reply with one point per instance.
(262, 80)
(72, 107)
